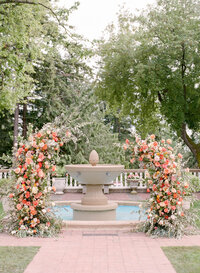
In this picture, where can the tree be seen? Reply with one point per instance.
(150, 68)
(25, 27)
(85, 119)
(56, 59)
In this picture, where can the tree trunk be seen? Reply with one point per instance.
(16, 122)
(194, 148)
(24, 124)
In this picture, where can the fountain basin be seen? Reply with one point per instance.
(64, 211)
(99, 174)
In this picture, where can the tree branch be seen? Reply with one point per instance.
(3, 2)
(183, 68)
(188, 141)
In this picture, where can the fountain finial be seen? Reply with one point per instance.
(94, 158)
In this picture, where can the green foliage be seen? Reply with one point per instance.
(21, 44)
(56, 58)
(194, 183)
(6, 136)
(5, 186)
(1, 212)
(85, 120)
(150, 67)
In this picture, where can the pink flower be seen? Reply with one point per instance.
(41, 174)
(53, 168)
(27, 194)
(17, 170)
(53, 188)
(169, 141)
(11, 195)
(68, 133)
(127, 141)
(19, 206)
(157, 164)
(125, 147)
(152, 136)
(41, 157)
(29, 160)
(180, 155)
(166, 171)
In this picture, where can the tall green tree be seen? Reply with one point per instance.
(25, 28)
(55, 58)
(150, 68)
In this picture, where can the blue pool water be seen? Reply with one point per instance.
(122, 213)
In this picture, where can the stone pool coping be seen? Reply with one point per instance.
(124, 224)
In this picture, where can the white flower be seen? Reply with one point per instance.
(156, 158)
(30, 138)
(173, 217)
(19, 180)
(41, 145)
(162, 204)
(44, 211)
(34, 190)
(13, 232)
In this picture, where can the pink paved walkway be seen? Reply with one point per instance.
(99, 252)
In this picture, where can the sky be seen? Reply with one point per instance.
(93, 16)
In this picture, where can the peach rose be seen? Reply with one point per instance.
(17, 170)
(19, 206)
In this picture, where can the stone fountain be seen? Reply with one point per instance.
(94, 205)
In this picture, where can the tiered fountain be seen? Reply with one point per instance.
(94, 205)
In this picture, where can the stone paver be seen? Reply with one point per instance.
(99, 251)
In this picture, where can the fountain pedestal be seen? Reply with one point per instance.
(94, 213)
(94, 195)
(94, 205)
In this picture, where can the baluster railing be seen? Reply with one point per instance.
(120, 182)
(5, 173)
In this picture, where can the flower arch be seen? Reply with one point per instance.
(35, 161)
(164, 181)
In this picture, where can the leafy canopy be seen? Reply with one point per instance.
(151, 65)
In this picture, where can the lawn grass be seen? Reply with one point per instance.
(184, 259)
(1, 210)
(15, 259)
(196, 205)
